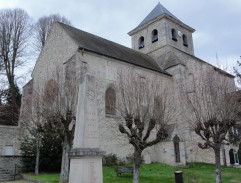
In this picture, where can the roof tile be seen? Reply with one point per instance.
(108, 48)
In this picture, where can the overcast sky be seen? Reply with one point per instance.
(217, 22)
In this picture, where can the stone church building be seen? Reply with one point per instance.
(161, 44)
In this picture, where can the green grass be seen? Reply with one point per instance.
(47, 178)
(161, 173)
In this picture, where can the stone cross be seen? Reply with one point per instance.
(86, 157)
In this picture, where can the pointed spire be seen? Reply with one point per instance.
(156, 12)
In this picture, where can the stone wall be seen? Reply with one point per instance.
(9, 136)
(59, 48)
(105, 71)
(8, 163)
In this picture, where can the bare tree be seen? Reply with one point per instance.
(59, 102)
(145, 106)
(212, 110)
(15, 29)
(43, 26)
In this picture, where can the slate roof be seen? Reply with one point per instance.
(110, 49)
(168, 60)
(156, 12)
(160, 11)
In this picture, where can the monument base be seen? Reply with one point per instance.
(86, 165)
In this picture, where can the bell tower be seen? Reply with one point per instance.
(160, 32)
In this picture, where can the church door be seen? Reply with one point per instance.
(236, 160)
(231, 156)
(176, 141)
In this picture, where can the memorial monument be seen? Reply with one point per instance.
(86, 157)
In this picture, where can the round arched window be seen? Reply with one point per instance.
(174, 35)
(184, 37)
(154, 36)
(141, 42)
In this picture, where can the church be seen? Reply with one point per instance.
(161, 44)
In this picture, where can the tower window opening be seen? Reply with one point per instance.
(174, 35)
(154, 36)
(184, 37)
(141, 42)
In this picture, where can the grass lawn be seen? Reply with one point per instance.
(161, 173)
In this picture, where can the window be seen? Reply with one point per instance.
(154, 36)
(174, 35)
(141, 42)
(110, 101)
(184, 37)
(8, 150)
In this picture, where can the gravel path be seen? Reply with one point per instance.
(18, 181)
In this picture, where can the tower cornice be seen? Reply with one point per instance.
(137, 29)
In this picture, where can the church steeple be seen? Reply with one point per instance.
(156, 12)
(161, 28)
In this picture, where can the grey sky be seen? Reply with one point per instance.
(217, 22)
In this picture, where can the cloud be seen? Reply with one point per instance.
(218, 30)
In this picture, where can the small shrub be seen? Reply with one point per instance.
(121, 162)
(130, 158)
(50, 151)
(110, 160)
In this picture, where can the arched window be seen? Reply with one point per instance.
(191, 83)
(174, 35)
(184, 38)
(158, 107)
(51, 91)
(141, 42)
(154, 35)
(110, 101)
(176, 141)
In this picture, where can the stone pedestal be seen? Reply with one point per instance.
(86, 157)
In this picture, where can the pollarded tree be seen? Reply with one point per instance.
(213, 110)
(145, 106)
(42, 29)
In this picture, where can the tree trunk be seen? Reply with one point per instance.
(218, 166)
(65, 162)
(137, 163)
(37, 156)
(13, 93)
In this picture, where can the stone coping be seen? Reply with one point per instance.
(31, 179)
(81, 152)
(11, 156)
(9, 126)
